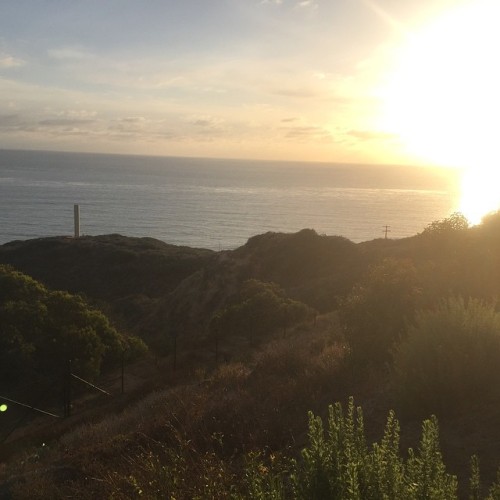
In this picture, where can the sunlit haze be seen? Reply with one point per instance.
(442, 99)
(411, 82)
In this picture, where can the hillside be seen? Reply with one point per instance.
(212, 393)
(125, 276)
(142, 283)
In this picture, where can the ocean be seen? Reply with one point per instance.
(212, 203)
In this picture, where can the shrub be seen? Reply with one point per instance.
(449, 359)
(455, 223)
(40, 330)
(259, 309)
(230, 375)
(176, 471)
(375, 313)
(338, 463)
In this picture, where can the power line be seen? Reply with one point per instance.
(91, 385)
(29, 406)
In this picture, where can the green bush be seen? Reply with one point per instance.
(339, 464)
(375, 313)
(450, 357)
(40, 330)
(258, 310)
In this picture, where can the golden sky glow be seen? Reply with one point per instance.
(372, 81)
(480, 192)
(442, 99)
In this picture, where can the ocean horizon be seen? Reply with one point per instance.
(215, 203)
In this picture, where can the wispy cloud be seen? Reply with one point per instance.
(9, 121)
(288, 77)
(70, 53)
(307, 4)
(8, 61)
(64, 122)
(205, 121)
(307, 133)
(370, 135)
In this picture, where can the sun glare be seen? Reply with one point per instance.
(442, 99)
(480, 193)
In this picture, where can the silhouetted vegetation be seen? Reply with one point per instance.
(450, 358)
(456, 222)
(297, 322)
(377, 310)
(258, 310)
(125, 277)
(41, 330)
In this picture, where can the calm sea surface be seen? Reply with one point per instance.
(211, 203)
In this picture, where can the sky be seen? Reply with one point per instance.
(309, 80)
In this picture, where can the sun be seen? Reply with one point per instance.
(442, 99)
(480, 193)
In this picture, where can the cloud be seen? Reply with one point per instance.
(133, 119)
(7, 61)
(204, 121)
(64, 122)
(369, 135)
(15, 123)
(295, 92)
(130, 126)
(306, 133)
(9, 121)
(69, 53)
(307, 4)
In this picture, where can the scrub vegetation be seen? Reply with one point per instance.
(41, 330)
(297, 366)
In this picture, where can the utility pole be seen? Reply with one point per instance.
(285, 318)
(123, 371)
(216, 349)
(386, 230)
(175, 351)
(67, 389)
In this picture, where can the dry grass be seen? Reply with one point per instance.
(192, 436)
(222, 413)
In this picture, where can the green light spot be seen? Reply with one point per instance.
(3, 407)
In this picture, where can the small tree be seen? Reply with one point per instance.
(455, 223)
(40, 330)
(450, 357)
